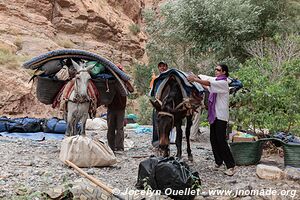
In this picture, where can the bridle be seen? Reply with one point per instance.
(167, 114)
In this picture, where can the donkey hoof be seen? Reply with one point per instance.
(190, 158)
(178, 156)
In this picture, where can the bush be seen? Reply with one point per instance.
(7, 58)
(145, 110)
(273, 101)
(142, 78)
(135, 29)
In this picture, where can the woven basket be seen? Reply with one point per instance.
(107, 90)
(246, 153)
(47, 89)
(291, 154)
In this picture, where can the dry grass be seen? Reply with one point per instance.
(18, 42)
(8, 59)
(134, 28)
(66, 43)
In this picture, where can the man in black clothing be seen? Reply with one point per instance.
(115, 120)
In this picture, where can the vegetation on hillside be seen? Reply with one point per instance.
(259, 40)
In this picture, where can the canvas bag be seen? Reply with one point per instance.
(85, 152)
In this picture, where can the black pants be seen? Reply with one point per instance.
(219, 144)
(115, 132)
(155, 136)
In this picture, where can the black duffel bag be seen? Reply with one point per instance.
(145, 169)
(169, 175)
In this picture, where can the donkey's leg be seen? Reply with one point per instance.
(179, 139)
(83, 122)
(73, 118)
(69, 131)
(189, 123)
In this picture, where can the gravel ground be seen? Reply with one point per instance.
(30, 167)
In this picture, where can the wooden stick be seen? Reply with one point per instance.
(142, 156)
(94, 180)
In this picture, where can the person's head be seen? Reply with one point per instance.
(221, 69)
(162, 66)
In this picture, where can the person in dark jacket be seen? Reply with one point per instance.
(115, 120)
(162, 67)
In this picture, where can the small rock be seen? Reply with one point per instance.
(91, 171)
(292, 173)
(268, 172)
(246, 198)
(2, 182)
(204, 194)
(231, 181)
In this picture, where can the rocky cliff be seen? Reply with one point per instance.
(107, 27)
(110, 28)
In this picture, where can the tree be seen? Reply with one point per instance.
(274, 83)
(188, 31)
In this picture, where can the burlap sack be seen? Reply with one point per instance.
(85, 152)
(96, 124)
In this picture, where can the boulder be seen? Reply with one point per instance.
(269, 172)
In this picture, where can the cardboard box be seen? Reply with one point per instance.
(243, 139)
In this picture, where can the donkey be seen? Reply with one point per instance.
(172, 108)
(79, 101)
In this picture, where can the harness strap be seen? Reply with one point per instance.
(168, 114)
(186, 103)
(159, 101)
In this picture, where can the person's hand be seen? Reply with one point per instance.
(192, 77)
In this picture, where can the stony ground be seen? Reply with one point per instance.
(30, 167)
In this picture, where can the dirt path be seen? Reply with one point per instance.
(30, 167)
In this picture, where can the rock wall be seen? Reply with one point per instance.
(32, 27)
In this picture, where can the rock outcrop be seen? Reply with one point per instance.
(110, 28)
(107, 27)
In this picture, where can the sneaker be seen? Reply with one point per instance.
(230, 171)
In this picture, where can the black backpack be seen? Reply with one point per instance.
(169, 175)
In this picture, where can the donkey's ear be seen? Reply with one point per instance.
(76, 66)
(89, 68)
(156, 104)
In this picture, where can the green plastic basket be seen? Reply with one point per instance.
(291, 154)
(247, 153)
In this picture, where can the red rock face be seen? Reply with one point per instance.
(43, 25)
(32, 27)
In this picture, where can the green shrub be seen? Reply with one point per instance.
(145, 110)
(142, 78)
(135, 29)
(273, 101)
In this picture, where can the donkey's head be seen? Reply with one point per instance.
(82, 79)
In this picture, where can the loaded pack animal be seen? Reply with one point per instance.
(172, 108)
(79, 96)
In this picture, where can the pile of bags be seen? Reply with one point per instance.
(32, 125)
(166, 175)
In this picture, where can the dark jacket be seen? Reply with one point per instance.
(118, 102)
